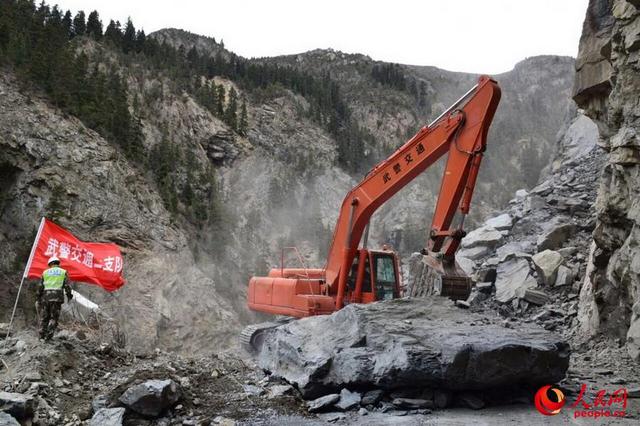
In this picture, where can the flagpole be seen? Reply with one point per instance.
(26, 272)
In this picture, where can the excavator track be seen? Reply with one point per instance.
(252, 336)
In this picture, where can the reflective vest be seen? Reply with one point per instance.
(53, 278)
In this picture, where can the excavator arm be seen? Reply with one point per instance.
(460, 131)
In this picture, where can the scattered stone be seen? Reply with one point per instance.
(463, 304)
(348, 400)
(100, 401)
(372, 397)
(363, 411)
(252, 390)
(151, 397)
(555, 237)
(16, 404)
(564, 276)
(475, 253)
(7, 420)
(108, 417)
(323, 402)
(279, 390)
(513, 278)
(471, 400)
(21, 345)
(33, 376)
(333, 417)
(547, 263)
(536, 297)
(436, 346)
(483, 236)
(521, 194)
(500, 223)
(412, 403)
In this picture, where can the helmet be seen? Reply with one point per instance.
(53, 259)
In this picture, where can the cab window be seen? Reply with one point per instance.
(366, 280)
(385, 274)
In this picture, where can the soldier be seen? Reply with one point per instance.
(50, 297)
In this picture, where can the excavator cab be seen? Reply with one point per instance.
(380, 278)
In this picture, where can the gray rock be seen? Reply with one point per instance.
(475, 253)
(564, 276)
(252, 390)
(471, 400)
(467, 265)
(348, 400)
(108, 417)
(18, 405)
(500, 223)
(512, 279)
(409, 343)
(412, 403)
(279, 390)
(152, 397)
(332, 417)
(7, 420)
(547, 263)
(100, 401)
(372, 397)
(323, 403)
(462, 304)
(555, 237)
(483, 236)
(536, 297)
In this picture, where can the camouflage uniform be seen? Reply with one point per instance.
(50, 299)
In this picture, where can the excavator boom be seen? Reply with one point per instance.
(461, 131)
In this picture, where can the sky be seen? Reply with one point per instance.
(479, 36)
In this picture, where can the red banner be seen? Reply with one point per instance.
(95, 263)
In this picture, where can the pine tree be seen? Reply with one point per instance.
(67, 24)
(113, 33)
(129, 38)
(220, 99)
(141, 39)
(94, 25)
(243, 126)
(79, 24)
(231, 112)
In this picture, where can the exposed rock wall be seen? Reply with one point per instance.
(606, 87)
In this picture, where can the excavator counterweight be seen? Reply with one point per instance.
(355, 274)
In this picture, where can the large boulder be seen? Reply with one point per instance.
(152, 397)
(410, 343)
(555, 237)
(500, 223)
(7, 420)
(108, 417)
(18, 405)
(513, 278)
(483, 236)
(547, 264)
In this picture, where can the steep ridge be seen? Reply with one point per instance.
(607, 84)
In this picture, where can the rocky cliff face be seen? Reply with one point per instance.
(607, 84)
(279, 184)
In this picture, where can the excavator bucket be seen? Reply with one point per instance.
(442, 278)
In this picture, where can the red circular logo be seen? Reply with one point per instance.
(547, 405)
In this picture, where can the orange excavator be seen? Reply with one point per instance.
(360, 275)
